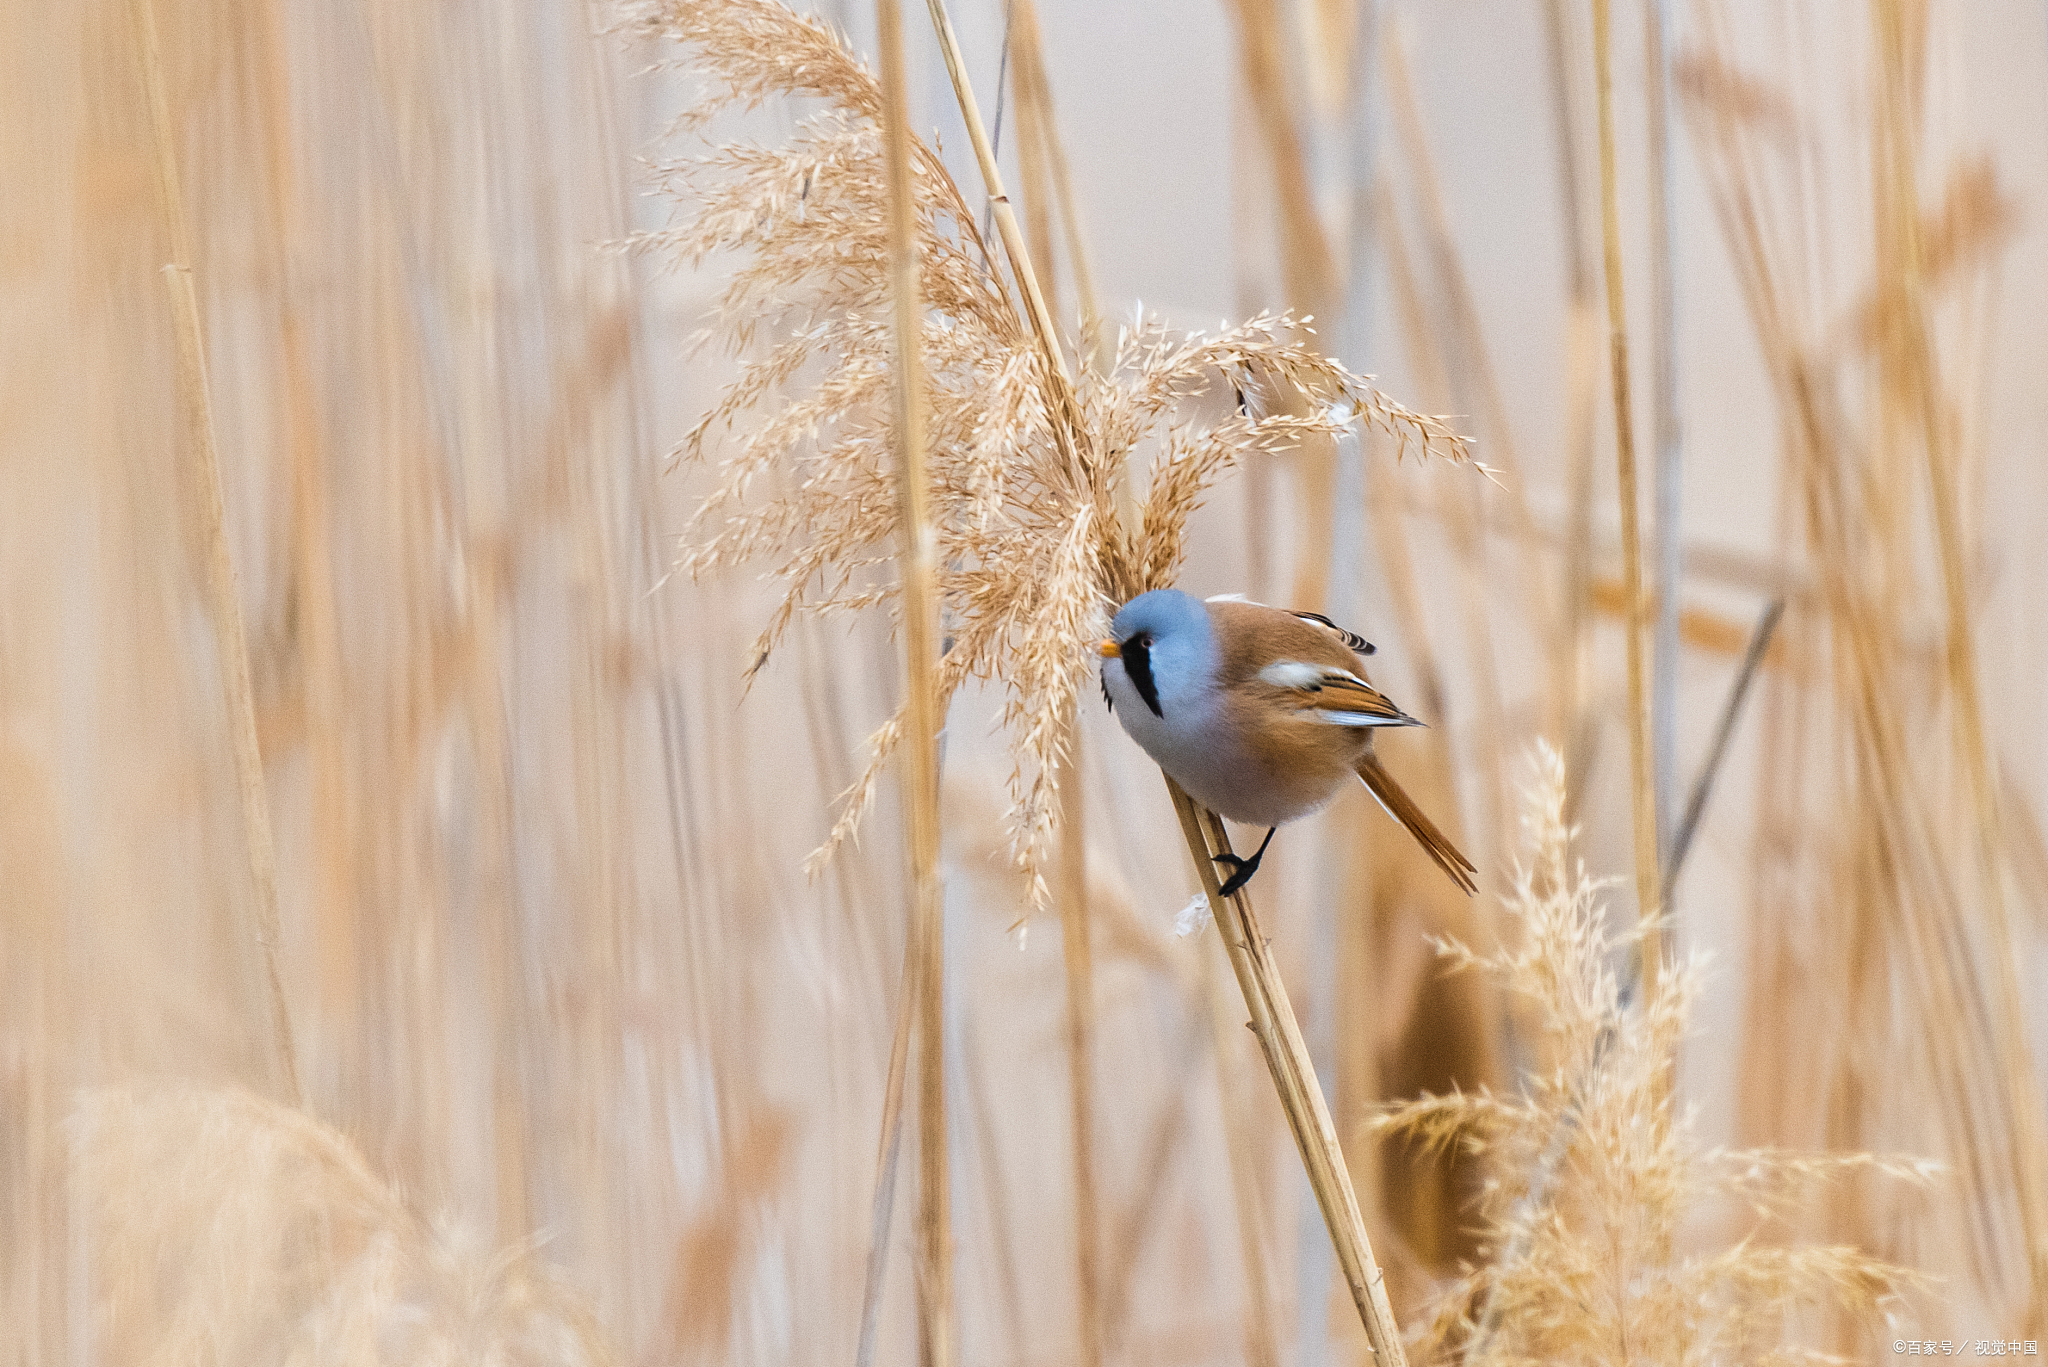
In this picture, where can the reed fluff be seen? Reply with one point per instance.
(1596, 1167)
(1026, 471)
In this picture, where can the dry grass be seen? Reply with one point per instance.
(591, 1072)
(1027, 469)
(1907, 887)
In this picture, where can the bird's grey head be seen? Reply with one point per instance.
(1165, 647)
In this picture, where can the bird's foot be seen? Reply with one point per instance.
(1245, 868)
(1242, 869)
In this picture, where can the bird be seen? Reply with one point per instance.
(1259, 713)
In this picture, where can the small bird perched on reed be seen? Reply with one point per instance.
(1258, 713)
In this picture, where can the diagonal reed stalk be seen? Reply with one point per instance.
(1035, 119)
(1035, 309)
(1294, 1078)
(1703, 785)
(1648, 887)
(921, 757)
(231, 639)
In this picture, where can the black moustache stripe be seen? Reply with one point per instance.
(1137, 658)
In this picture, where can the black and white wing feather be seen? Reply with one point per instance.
(1334, 695)
(1349, 638)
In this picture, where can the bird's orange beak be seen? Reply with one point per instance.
(1109, 650)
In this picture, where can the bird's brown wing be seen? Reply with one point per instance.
(1330, 693)
(1345, 698)
(1402, 808)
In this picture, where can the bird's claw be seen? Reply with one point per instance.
(1241, 869)
(1245, 868)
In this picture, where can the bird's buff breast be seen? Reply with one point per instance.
(1264, 780)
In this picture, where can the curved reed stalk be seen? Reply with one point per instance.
(1294, 1078)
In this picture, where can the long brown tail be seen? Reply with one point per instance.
(1402, 808)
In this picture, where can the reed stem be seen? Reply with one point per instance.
(1912, 353)
(1648, 885)
(1241, 1151)
(921, 754)
(1294, 1079)
(1080, 965)
(1308, 270)
(1668, 490)
(1035, 91)
(1724, 729)
(1565, 715)
(1036, 312)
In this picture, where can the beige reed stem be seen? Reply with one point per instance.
(231, 640)
(921, 756)
(1294, 1078)
(1034, 89)
(1648, 885)
(1078, 953)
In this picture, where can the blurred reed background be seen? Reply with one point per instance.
(555, 1055)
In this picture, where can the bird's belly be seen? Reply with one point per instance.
(1263, 794)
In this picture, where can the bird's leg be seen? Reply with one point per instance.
(1242, 869)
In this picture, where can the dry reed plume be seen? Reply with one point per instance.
(1596, 1167)
(1026, 475)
